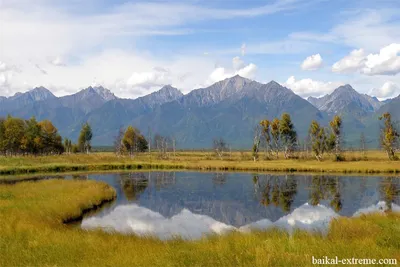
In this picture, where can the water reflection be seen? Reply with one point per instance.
(390, 190)
(133, 184)
(279, 192)
(326, 188)
(183, 202)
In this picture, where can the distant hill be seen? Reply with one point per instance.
(229, 109)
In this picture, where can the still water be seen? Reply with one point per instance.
(193, 204)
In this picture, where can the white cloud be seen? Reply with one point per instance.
(7, 73)
(387, 62)
(350, 63)
(387, 90)
(58, 61)
(312, 62)
(157, 77)
(142, 221)
(239, 68)
(42, 36)
(237, 63)
(309, 87)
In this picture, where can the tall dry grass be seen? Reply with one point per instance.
(32, 234)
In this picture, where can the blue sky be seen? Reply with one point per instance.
(135, 47)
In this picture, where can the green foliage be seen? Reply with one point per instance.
(276, 136)
(75, 149)
(134, 141)
(319, 139)
(18, 136)
(288, 135)
(266, 136)
(389, 136)
(335, 144)
(85, 138)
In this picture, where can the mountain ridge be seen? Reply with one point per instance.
(229, 108)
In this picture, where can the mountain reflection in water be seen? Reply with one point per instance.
(191, 204)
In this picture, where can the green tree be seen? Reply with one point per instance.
(318, 139)
(51, 140)
(266, 136)
(32, 133)
(14, 130)
(288, 135)
(142, 144)
(85, 137)
(336, 127)
(75, 148)
(130, 140)
(389, 136)
(256, 142)
(275, 134)
(2, 136)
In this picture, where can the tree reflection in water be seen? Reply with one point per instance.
(326, 188)
(279, 192)
(133, 185)
(390, 190)
(162, 179)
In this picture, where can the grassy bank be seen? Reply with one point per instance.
(373, 162)
(32, 234)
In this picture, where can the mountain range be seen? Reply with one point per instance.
(229, 108)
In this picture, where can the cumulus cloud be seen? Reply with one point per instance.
(237, 63)
(387, 62)
(309, 87)
(387, 90)
(7, 73)
(350, 63)
(312, 62)
(239, 68)
(157, 77)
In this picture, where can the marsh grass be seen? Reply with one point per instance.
(32, 233)
(354, 162)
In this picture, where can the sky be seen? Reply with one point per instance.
(135, 47)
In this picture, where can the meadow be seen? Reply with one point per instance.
(33, 216)
(354, 162)
(32, 233)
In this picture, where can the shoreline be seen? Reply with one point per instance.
(224, 166)
(36, 177)
(31, 223)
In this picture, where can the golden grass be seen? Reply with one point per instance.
(374, 162)
(32, 234)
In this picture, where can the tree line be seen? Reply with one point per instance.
(23, 137)
(32, 137)
(279, 136)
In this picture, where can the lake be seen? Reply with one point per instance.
(193, 204)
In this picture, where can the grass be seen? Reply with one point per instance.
(32, 233)
(373, 162)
